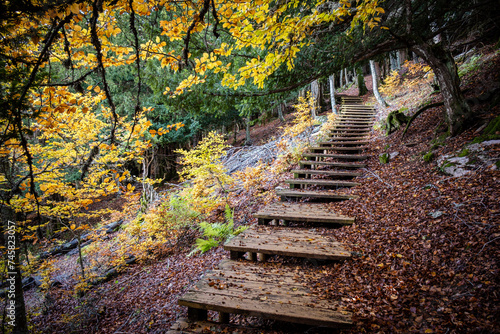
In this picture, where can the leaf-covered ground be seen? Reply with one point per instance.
(425, 245)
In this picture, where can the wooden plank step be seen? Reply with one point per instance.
(322, 182)
(319, 149)
(339, 137)
(348, 137)
(352, 126)
(320, 194)
(357, 107)
(249, 290)
(330, 164)
(358, 135)
(301, 212)
(351, 130)
(357, 110)
(338, 142)
(184, 326)
(361, 106)
(357, 114)
(283, 241)
(336, 156)
(325, 172)
(346, 121)
(356, 118)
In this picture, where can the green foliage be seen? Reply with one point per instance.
(180, 211)
(491, 132)
(465, 152)
(428, 157)
(394, 121)
(202, 165)
(470, 67)
(384, 158)
(216, 233)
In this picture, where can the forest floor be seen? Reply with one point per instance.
(426, 244)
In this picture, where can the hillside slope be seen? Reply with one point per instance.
(426, 243)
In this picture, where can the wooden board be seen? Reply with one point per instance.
(292, 242)
(320, 149)
(351, 121)
(333, 173)
(184, 326)
(287, 193)
(331, 164)
(347, 136)
(336, 156)
(263, 292)
(352, 126)
(357, 108)
(321, 182)
(341, 142)
(356, 113)
(352, 131)
(301, 212)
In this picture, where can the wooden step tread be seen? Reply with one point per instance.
(347, 136)
(356, 113)
(326, 172)
(338, 142)
(350, 137)
(357, 108)
(337, 156)
(337, 148)
(287, 242)
(351, 126)
(351, 130)
(301, 212)
(319, 194)
(249, 290)
(184, 326)
(331, 164)
(356, 119)
(322, 182)
(350, 119)
(356, 122)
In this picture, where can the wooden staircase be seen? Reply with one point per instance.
(268, 290)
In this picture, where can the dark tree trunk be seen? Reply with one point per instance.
(248, 140)
(361, 82)
(458, 112)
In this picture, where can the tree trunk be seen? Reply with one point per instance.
(236, 129)
(281, 108)
(340, 78)
(395, 62)
(331, 78)
(346, 77)
(248, 140)
(302, 93)
(379, 98)
(458, 112)
(361, 82)
(316, 94)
